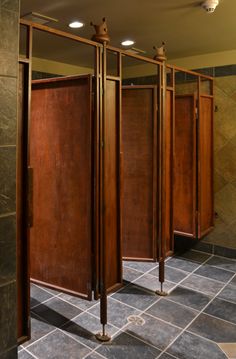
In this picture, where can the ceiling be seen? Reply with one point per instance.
(185, 27)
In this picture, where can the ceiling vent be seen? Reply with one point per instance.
(38, 18)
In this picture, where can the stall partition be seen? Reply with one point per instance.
(68, 174)
(193, 155)
(111, 160)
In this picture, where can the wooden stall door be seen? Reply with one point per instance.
(139, 140)
(23, 291)
(61, 157)
(205, 157)
(184, 200)
(112, 223)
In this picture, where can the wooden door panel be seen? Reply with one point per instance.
(61, 158)
(205, 155)
(138, 143)
(111, 187)
(185, 166)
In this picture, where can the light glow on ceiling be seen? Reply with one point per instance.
(76, 24)
(127, 43)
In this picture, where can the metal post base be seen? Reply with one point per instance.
(103, 337)
(161, 293)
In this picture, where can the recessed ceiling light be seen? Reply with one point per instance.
(127, 43)
(76, 24)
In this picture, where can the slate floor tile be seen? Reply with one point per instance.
(233, 281)
(78, 302)
(154, 332)
(117, 312)
(223, 263)
(129, 274)
(190, 346)
(166, 356)
(214, 329)
(189, 297)
(39, 328)
(172, 312)
(56, 345)
(223, 310)
(140, 266)
(125, 346)
(171, 274)
(85, 327)
(24, 355)
(229, 293)
(136, 297)
(56, 311)
(95, 355)
(152, 283)
(202, 284)
(195, 256)
(38, 295)
(214, 273)
(183, 264)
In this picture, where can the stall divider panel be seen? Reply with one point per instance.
(139, 133)
(61, 136)
(112, 220)
(23, 302)
(185, 164)
(205, 163)
(169, 148)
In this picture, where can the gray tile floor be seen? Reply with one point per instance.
(197, 315)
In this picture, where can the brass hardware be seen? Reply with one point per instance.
(30, 197)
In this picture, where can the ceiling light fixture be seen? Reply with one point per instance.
(76, 24)
(127, 43)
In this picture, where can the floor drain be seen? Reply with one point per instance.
(136, 320)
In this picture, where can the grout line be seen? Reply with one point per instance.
(34, 356)
(181, 304)
(227, 258)
(199, 291)
(186, 329)
(92, 352)
(178, 269)
(179, 283)
(120, 330)
(45, 301)
(224, 320)
(37, 340)
(77, 340)
(208, 278)
(46, 289)
(9, 214)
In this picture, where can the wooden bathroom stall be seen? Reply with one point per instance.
(64, 181)
(193, 165)
(141, 171)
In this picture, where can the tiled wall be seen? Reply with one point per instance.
(225, 162)
(9, 11)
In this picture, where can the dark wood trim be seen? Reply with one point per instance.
(59, 79)
(181, 69)
(58, 33)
